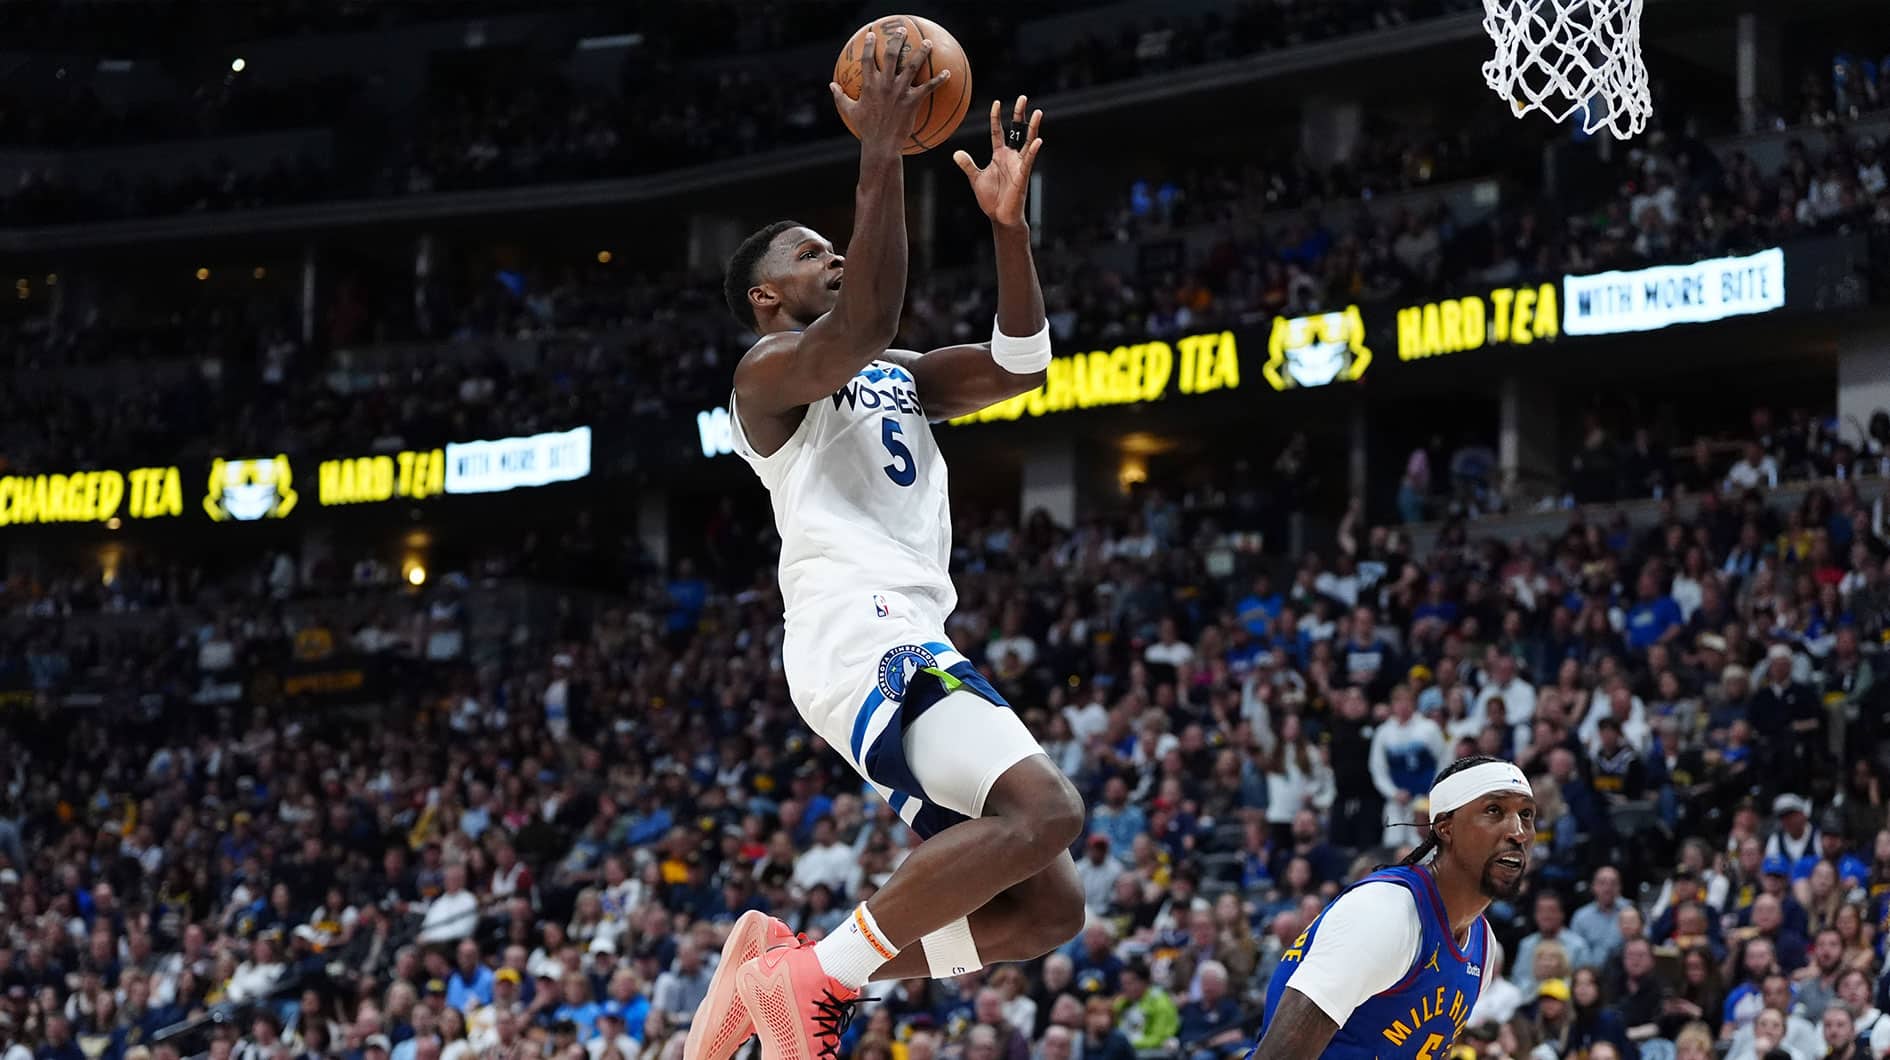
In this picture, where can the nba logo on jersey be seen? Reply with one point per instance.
(881, 607)
(897, 666)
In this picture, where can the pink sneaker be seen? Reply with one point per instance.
(721, 1023)
(799, 1010)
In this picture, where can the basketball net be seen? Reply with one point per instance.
(1564, 56)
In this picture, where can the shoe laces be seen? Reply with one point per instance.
(832, 1014)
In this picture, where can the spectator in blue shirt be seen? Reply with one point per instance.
(1098, 969)
(1365, 655)
(578, 1007)
(1259, 609)
(626, 994)
(1210, 1025)
(1655, 618)
(1834, 848)
(470, 985)
(687, 595)
(1766, 920)
(1118, 818)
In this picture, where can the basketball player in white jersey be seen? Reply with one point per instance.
(837, 426)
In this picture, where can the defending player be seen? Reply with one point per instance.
(836, 425)
(1392, 968)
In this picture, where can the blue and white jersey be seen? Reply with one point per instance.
(1429, 995)
(860, 496)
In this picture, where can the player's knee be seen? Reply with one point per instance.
(1055, 827)
(1061, 918)
(1063, 816)
(1041, 805)
(1043, 936)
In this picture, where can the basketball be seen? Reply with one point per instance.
(945, 108)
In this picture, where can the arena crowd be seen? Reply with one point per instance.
(535, 849)
(532, 838)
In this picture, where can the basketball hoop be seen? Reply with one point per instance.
(1564, 56)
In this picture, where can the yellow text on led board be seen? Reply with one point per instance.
(1126, 375)
(91, 496)
(1510, 316)
(413, 474)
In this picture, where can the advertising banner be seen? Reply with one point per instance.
(718, 434)
(247, 490)
(1502, 316)
(265, 488)
(91, 496)
(518, 463)
(1317, 350)
(1129, 374)
(1615, 303)
(411, 474)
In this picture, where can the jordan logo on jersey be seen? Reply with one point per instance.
(897, 666)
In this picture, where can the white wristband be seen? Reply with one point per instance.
(1025, 356)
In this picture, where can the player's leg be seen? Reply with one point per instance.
(966, 759)
(1022, 923)
(962, 758)
(1029, 818)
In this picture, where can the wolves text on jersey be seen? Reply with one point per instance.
(877, 387)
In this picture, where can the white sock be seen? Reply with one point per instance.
(855, 950)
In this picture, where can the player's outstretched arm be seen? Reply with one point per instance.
(957, 380)
(789, 369)
(1298, 1030)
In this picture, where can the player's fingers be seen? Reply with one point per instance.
(901, 48)
(920, 57)
(930, 85)
(1017, 112)
(963, 159)
(869, 47)
(997, 126)
(1030, 155)
(1036, 122)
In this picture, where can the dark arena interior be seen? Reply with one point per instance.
(394, 663)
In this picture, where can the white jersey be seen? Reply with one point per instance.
(860, 501)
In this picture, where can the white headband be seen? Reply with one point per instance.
(1471, 784)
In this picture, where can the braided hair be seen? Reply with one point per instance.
(1424, 850)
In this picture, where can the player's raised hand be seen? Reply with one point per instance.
(890, 89)
(1002, 185)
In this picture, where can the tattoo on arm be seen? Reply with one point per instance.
(1298, 1030)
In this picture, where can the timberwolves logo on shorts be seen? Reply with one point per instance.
(897, 666)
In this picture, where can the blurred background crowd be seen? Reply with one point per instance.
(452, 778)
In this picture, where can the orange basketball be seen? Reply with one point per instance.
(942, 111)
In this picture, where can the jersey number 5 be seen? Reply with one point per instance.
(1429, 1052)
(903, 470)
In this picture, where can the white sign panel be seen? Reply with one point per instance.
(518, 463)
(718, 435)
(1615, 303)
